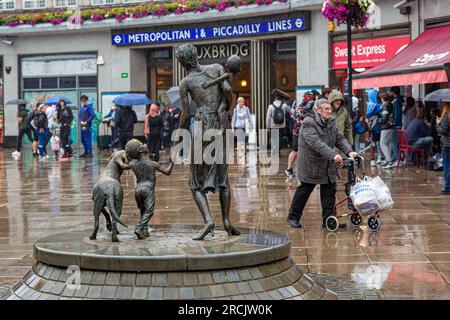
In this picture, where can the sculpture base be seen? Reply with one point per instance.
(167, 265)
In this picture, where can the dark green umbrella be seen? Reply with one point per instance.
(16, 102)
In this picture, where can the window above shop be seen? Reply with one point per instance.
(100, 2)
(64, 3)
(7, 5)
(131, 1)
(33, 4)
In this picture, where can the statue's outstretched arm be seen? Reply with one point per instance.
(167, 171)
(122, 164)
(184, 118)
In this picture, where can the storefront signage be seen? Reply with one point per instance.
(368, 53)
(428, 58)
(223, 50)
(227, 31)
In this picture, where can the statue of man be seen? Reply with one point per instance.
(210, 99)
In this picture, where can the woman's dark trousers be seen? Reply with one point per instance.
(154, 144)
(301, 196)
(65, 139)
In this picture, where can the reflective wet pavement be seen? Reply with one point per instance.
(409, 257)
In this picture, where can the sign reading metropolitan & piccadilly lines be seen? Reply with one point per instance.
(226, 31)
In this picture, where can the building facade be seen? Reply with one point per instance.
(283, 45)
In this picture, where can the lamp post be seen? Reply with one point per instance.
(349, 55)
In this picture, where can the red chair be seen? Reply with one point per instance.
(406, 149)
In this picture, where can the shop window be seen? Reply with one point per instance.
(31, 83)
(49, 83)
(33, 4)
(64, 3)
(128, 1)
(97, 2)
(7, 4)
(67, 82)
(87, 82)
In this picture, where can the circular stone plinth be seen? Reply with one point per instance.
(169, 248)
(167, 265)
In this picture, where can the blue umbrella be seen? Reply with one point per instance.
(132, 99)
(53, 101)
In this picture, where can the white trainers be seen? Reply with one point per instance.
(16, 153)
(373, 163)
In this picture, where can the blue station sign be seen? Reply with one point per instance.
(225, 31)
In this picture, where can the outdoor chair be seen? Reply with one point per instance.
(407, 150)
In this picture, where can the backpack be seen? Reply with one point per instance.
(278, 115)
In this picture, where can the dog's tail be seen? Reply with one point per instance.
(112, 210)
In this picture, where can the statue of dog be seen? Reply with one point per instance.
(108, 193)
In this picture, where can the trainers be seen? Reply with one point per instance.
(379, 161)
(294, 223)
(373, 163)
(289, 172)
(16, 153)
(388, 165)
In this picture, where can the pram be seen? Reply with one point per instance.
(355, 218)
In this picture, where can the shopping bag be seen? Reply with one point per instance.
(364, 196)
(55, 144)
(383, 194)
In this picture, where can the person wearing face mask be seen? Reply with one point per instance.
(318, 161)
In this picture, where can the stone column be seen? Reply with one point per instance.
(260, 83)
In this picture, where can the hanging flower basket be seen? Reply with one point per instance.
(339, 11)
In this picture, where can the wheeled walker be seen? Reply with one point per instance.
(355, 218)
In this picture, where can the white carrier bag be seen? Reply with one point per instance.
(383, 194)
(364, 196)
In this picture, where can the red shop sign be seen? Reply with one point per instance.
(368, 53)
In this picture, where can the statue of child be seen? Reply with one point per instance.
(144, 169)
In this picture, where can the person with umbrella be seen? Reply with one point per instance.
(85, 117)
(24, 127)
(443, 129)
(125, 120)
(65, 118)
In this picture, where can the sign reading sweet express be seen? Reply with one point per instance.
(226, 31)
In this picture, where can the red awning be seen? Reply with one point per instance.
(425, 60)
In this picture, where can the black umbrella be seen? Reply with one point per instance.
(16, 102)
(438, 95)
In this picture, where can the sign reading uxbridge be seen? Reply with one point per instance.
(226, 31)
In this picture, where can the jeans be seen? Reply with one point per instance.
(425, 142)
(395, 145)
(42, 138)
(446, 154)
(386, 144)
(86, 139)
(301, 196)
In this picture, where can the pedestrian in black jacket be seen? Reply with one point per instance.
(65, 118)
(155, 125)
(125, 120)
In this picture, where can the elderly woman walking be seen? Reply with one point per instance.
(317, 161)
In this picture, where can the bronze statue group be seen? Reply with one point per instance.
(210, 87)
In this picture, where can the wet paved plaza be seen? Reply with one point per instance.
(408, 258)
